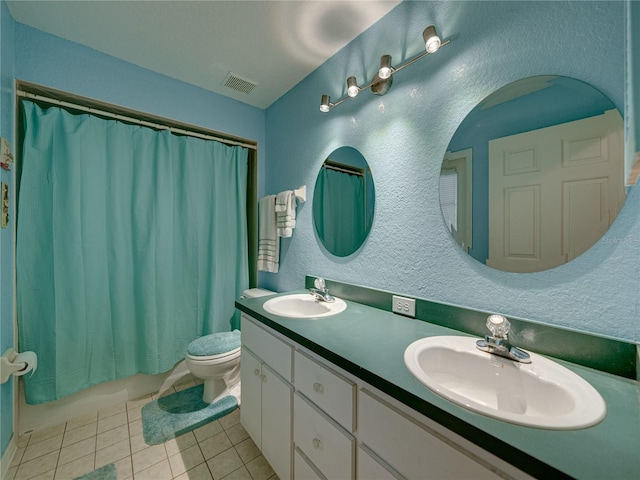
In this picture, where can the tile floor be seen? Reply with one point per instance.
(219, 450)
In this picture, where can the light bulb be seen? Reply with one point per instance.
(385, 67)
(324, 104)
(352, 87)
(431, 39)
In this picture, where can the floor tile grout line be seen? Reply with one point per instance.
(225, 428)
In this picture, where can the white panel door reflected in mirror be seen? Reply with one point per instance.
(534, 175)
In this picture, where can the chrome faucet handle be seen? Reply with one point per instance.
(321, 292)
(498, 325)
(498, 344)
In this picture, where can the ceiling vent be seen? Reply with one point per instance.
(238, 83)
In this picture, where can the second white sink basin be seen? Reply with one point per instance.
(540, 394)
(303, 305)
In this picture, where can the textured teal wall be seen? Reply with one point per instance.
(404, 135)
(6, 234)
(634, 67)
(54, 62)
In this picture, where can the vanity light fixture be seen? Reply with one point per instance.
(385, 67)
(381, 83)
(352, 87)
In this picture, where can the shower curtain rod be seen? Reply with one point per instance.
(117, 116)
(344, 168)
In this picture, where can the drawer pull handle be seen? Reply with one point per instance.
(317, 444)
(318, 388)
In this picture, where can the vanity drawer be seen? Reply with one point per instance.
(331, 449)
(302, 470)
(270, 349)
(411, 448)
(327, 389)
(369, 468)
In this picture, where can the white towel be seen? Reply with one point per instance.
(268, 241)
(285, 213)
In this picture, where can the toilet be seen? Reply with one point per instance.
(215, 359)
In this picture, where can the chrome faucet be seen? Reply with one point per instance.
(498, 342)
(321, 292)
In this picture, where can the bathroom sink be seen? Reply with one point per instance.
(539, 394)
(303, 305)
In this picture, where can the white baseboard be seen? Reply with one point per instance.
(7, 458)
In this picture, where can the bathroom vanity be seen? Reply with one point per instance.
(332, 398)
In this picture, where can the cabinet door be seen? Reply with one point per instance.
(410, 448)
(370, 469)
(276, 422)
(302, 470)
(251, 381)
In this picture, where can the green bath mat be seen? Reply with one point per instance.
(108, 472)
(178, 413)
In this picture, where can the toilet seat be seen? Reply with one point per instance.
(208, 358)
(214, 346)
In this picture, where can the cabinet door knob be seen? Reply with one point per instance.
(317, 444)
(263, 377)
(318, 388)
(256, 372)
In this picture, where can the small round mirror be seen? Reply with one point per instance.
(534, 175)
(343, 201)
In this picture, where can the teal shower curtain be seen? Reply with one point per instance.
(131, 242)
(339, 214)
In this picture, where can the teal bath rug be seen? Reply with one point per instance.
(179, 413)
(108, 472)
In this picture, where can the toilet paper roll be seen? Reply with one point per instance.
(30, 360)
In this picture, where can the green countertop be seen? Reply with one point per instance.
(369, 343)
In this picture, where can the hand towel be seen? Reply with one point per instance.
(268, 241)
(285, 213)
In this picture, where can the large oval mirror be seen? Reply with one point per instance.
(534, 175)
(343, 201)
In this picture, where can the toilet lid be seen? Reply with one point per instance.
(214, 344)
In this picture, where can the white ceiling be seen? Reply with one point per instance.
(274, 44)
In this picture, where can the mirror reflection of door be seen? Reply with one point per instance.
(456, 196)
(530, 170)
(553, 192)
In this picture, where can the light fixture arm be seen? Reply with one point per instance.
(382, 83)
(418, 57)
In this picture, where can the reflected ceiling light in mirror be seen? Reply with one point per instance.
(381, 83)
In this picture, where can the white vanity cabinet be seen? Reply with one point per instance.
(342, 427)
(330, 391)
(371, 468)
(302, 469)
(265, 413)
(412, 449)
(324, 417)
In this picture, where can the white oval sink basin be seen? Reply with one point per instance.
(303, 305)
(540, 394)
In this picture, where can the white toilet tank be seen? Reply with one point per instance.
(257, 292)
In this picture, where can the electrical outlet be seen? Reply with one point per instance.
(404, 306)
